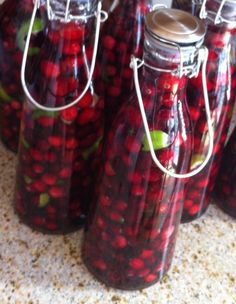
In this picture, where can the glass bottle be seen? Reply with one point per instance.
(121, 36)
(191, 6)
(62, 121)
(221, 84)
(133, 223)
(224, 190)
(14, 24)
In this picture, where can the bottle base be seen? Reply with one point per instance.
(116, 286)
(189, 219)
(223, 208)
(45, 231)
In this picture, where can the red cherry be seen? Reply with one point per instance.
(16, 105)
(45, 121)
(38, 221)
(188, 204)
(50, 157)
(114, 91)
(109, 42)
(51, 210)
(150, 278)
(55, 141)
(101, 223)
(132, 144)
(71, 48)
(49, 179)
(38, 168)
(69, 115)
(72, 31)
(119, 242)
(134, 177)
(86, 116)
(36, 155)
(121, 205)
(146, 254)
(116, 217)
(136, 263)
(194, 209)
(50, 69)
(105, 201)
(51, 226)
(86, 101)
(64, 86)
(71, 143)
(56, 192)
(100, 264)
(38, 186)
(138, 190)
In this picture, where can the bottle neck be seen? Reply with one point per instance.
(165, 56)
(227, 12)
(76, 8)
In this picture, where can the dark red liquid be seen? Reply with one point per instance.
(132, 228)
(59, 152)
(221, 86)
(14, 20)
(121, 36)
(224, 191)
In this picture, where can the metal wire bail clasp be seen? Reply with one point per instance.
(218, 16)
(101, 16)
(135, 65)
(64, 15)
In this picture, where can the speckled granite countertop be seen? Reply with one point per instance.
(36, 268)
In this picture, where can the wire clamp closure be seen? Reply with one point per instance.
(66, 16)
(215, 17)
(135, 65)
(191, 70)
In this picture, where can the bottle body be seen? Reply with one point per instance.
(121, 36)
(59, 151)
(224, 191)
(132, 227)
(221, 86)
(14, 22)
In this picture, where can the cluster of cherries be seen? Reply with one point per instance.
(14, 25)
(132, 227)
(59, 151)
(122, 36)
(221, 85)
(224, 191)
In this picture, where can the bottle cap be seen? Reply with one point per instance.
(175, 26)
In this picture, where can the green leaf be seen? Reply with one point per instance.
(40, 113)
(43, 200)
(27, 179)
(22, 34)
(4, 96)
(60, 182)
(92, 149)
(25, 143)
(160, 140)
(196, 160)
